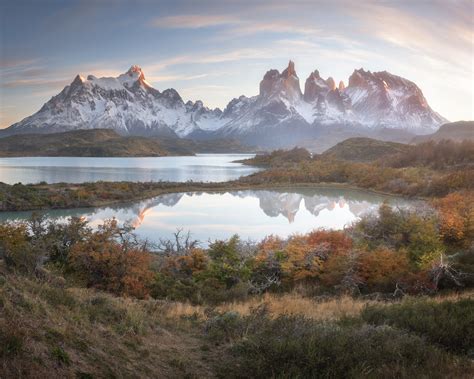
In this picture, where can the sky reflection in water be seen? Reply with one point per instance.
(253, 214)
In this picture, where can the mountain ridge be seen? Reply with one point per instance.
(281, 114)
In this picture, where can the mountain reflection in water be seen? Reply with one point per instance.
(252, 214)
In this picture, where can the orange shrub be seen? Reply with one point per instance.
(186, 265)
(337, 241)
(381, 269)
(456, 217)
(302, 261)
(111, 265)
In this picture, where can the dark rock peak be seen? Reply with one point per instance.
(171, 95)
(358, 78)
(289, 71)
(382, 79)
(331, 83)
(199, 107)
(78, 80)
(198, 104)
(285, 84)
(134, 69)
(271, 75)
(315, 87)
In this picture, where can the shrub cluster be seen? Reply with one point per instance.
(296, 347)
(397, 251)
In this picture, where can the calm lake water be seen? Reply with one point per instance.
(202, 167)
(253, 214)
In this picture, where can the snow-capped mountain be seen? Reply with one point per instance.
(127, 104)
(280, 115)
(381, 99)
(370, 101)
(278, 106)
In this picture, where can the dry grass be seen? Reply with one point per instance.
(454, 296)
(60, 332)
(277, 305)
(292, 304)
(65, 332)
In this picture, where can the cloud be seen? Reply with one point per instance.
(235, 25)
(443, 36)
(212, 56)
(174, 78)
(194, 21)
(34, 83)
(430, 43)
(8, 63)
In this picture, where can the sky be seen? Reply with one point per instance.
(217, 50)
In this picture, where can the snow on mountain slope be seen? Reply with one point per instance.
(127, 104)
(371, 100)
(381, 99)
(131, 106)
(280, 102)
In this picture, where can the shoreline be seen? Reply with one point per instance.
(181, 188)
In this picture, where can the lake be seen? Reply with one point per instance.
(253, 214)
(202, 167)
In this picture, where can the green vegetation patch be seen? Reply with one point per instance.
(449, 324)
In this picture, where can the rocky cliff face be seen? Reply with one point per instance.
(280, 115)
(127, 104)
(380, 99)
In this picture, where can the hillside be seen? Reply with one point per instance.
(278, 158)
(86, 143)
(108, 143)
(364, 149)
(456, 131)
(82, 303)
(83, 333)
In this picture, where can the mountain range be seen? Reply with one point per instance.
(281, 115)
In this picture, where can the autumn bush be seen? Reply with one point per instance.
(456, 218)
(429, 169)
(397, 251)
(108, 261)
(17, 249)
(381, 269)
(416, 232)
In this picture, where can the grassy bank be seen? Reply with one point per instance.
(30, 197)
(425, 171)
(49, 330)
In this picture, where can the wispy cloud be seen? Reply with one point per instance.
(235, 25)
(175, 78)
(194, 21)
(35, 82)
(188, 44)
(7, 63)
